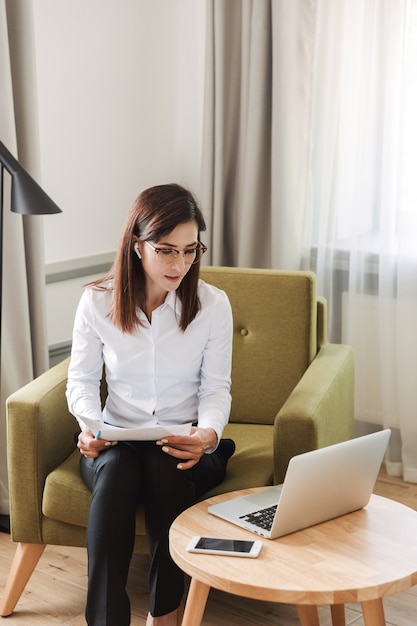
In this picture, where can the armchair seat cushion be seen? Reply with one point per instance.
(252, 464)
(67, 499)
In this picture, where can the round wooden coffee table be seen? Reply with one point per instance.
(360, 557)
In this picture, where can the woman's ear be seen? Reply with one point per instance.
(136, 249)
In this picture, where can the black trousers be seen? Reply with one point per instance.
(120, 478)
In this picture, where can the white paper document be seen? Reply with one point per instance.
(141, 433)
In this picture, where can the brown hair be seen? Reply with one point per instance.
(154, 214)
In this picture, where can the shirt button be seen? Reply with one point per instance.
(244, 332)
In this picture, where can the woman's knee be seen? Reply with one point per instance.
(117, 467)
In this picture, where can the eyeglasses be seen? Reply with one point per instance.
(170, 255)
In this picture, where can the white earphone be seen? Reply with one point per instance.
(136, 248)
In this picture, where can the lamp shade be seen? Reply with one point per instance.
(27, 197)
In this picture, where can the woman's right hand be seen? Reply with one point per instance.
(89, 446)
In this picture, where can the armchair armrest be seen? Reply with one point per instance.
(319, 411)
(40, 433)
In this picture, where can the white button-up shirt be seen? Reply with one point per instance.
(157, 375)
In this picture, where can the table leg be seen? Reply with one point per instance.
(338, 614)
(373, 613)
(196, 603)
(308, 614)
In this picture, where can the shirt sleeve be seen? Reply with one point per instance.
(86, 365)
(214, 392)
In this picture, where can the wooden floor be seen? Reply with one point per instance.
(56, 592)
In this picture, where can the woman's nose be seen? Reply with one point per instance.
(179, 260)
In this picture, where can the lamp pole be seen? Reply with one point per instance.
(27, 198)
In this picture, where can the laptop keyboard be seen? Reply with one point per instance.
(262, 518)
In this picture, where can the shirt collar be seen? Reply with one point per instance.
(174, 302)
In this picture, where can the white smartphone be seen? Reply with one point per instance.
(227, 547)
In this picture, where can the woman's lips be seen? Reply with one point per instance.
(173, 279)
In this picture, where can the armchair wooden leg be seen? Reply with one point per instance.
(25, 559)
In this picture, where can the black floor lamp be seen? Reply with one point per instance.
(27, 198)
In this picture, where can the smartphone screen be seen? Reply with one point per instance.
(228, 545)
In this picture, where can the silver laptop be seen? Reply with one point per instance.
(318, 486)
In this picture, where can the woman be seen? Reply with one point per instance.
(165, 338)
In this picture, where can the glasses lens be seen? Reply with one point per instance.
(198, 253)
(165, 255)
(191, 256)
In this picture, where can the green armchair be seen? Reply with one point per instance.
(292, 392)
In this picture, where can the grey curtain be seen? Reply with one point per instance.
(24, 350)
(256, 130)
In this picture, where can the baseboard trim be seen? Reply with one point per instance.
(76, 268)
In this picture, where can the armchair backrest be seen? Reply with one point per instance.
(275, 335)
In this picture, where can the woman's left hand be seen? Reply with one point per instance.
(189, 448)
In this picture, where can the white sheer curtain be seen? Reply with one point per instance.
(24, 349)
(362, 200)
(309, 159)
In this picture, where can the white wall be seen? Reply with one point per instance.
(120, 92)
